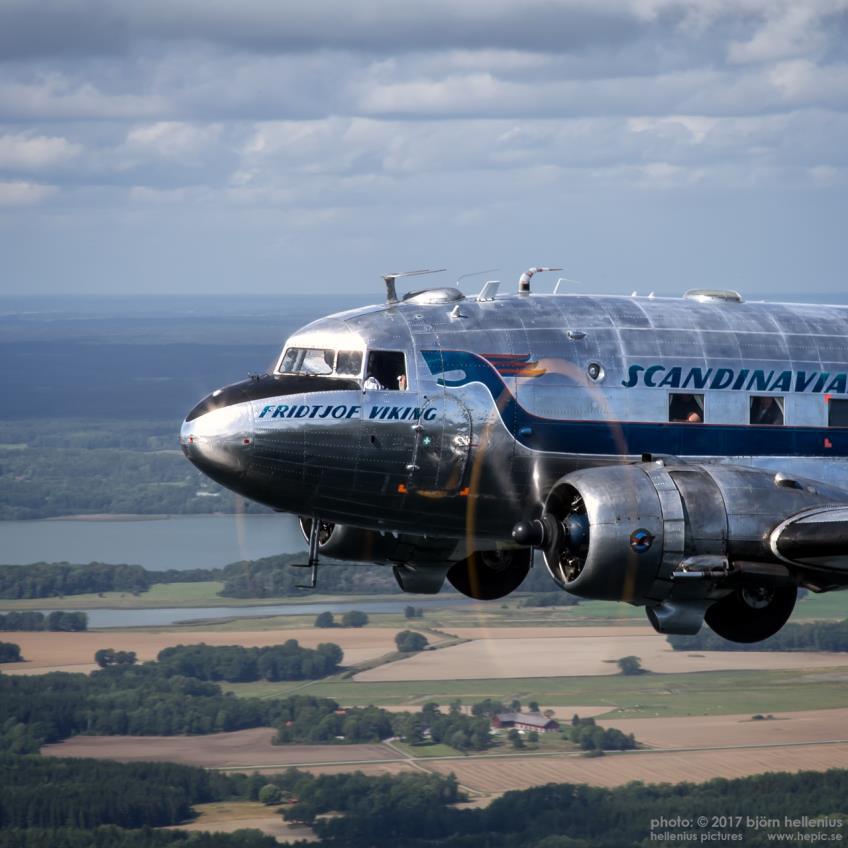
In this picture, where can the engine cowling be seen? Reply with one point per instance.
(676, 538)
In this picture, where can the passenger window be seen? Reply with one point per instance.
(349, 363)
(686, 408)
(767, 410)
(386, 369)
(837, 413)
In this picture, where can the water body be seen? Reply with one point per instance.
(161, 617)
(184, 541)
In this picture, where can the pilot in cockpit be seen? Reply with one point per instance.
(386, 370)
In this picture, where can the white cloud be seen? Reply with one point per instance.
(29, 152)
(172, 139)
(55, 97)
(345, 121)
(19, 193)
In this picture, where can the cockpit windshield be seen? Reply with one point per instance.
(321, 361)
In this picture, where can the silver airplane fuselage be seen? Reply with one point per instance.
(504, 396)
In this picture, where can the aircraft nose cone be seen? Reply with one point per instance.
(219, 442)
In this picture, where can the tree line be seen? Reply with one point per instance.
(50, 792)
(591, 737)
(236, 664)
(84, 803)
(109, 836)
(269, 577)
(49, 580)
(416, 810)
(56, 620)
(10, 652)
(151, 699)
(136, 700)
(812, 636)
(262, 578)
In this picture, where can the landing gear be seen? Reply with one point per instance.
(317, 532)
(489, 575)
(752, 612)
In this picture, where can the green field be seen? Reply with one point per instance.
(188, 595)
(829, 605)
(702, 693)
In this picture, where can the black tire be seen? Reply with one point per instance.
(752, 612)
(489, 575)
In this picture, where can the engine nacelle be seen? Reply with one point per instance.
(674, 537)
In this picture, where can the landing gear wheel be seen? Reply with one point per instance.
(489, 575)
(753, 612)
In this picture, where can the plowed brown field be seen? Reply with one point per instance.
(493, 776)
(48, 651)
(546, 652)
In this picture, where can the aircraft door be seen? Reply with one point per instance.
(442, 446)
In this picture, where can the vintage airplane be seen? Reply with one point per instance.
(683, 454)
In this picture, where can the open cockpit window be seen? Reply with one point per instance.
(686, 408)
(386, 369)
(767, 410)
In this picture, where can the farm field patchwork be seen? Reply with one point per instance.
(789, 728)
(229, 816)
(493, 776)
(240, 748)
(701, 693)
(52, 651)
(723, 746)
(552, 653)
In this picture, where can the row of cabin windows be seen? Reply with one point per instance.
(764, 410)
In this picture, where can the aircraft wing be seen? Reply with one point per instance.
(816, 537)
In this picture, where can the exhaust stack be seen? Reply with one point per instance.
(524, 280)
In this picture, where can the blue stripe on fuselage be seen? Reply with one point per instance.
(623, 438)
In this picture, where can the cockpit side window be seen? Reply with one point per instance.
(349, 363)
(386, 369)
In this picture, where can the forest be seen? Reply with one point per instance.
(50, 792)
(150, 699)
(236, 664)
(269, 577)
(810, 636)
(567, 815)
(413, 810)
(10, 652)
(50, 580)
(56, 620)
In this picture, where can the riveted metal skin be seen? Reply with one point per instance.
(712, 514)
(501, 405)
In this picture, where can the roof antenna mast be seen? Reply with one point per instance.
(524, 280)
(391, 291)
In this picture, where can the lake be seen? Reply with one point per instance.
(167, 616)
(182, 541)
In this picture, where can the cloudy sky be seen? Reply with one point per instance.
(209, 146)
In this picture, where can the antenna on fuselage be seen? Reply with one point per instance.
(562, 280)
(475, 274)
(391, 291)
(524, 280)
